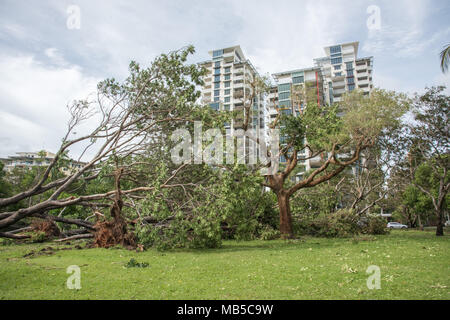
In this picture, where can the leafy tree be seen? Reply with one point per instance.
(427, 140)
(339, 134)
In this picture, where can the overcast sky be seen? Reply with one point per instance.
(46, 61)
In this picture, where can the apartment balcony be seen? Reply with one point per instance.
(338, 84)
(339, 91)
(238, 85)
(349, 58)
(315, 162)
(361, 68)
(363, 82)
(346, 51)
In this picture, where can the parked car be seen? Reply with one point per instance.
(396, 225)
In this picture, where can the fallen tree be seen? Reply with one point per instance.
(132, 119)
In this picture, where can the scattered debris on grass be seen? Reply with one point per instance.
(134, 264)
(345, 268)
(439, 286)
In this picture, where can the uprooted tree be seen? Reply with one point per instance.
(131, 123)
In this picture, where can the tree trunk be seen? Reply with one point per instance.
(440, 224)
(285, 215)
(420, 222)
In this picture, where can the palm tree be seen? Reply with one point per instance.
(445, 58)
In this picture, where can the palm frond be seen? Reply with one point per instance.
(445, 58)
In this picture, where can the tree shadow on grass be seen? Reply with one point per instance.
(271, 245)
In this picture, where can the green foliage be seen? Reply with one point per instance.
(5, 186)
(6, 242)
(269, 233)
(230, 205)
(313, 201)
(37, 236)
(375, 225)
(134, 264)
(340, 224)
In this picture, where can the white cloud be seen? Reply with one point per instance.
(33, 99)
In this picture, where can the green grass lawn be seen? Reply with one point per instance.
(414, 265)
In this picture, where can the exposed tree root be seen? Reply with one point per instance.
(112, 233)
(47, 226)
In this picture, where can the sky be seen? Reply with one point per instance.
(55, 51)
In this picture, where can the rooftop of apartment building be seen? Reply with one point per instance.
(288, 73)
(233, 54)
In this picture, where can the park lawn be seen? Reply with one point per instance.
(413, 264)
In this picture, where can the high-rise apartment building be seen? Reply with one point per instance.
(294, 89)
(338, 72)
(228, 85)
(343, 71)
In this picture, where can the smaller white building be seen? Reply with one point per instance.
(33, 159)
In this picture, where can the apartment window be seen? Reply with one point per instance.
(351, 80)
(227, 69)
(217, 71)
(227, 99)
(227, 77)
(337, 67)
(349, 65)
(217, 53)
(216, 85)
(214, 106)
(227, 84)
(216, 93)
(227, 92)
(338, 74)
(284, 87)
(335, 55)
(349, 73)
(351, 87)
(285, 104)
(335, 49)
(216, 78)
(336, 60)
(216, 99)
(284, 95)
(286, 111)
(217, 64)
(226, 107)
(299, 79)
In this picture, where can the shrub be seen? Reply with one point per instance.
(269, 233)
(38, 236)
(340, 224)
(134, 264)
(375, 225)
